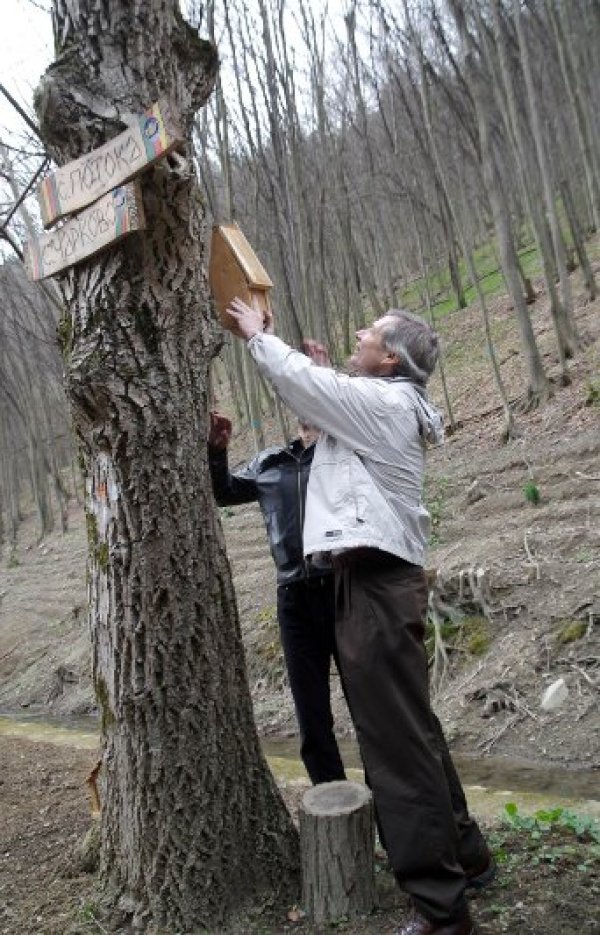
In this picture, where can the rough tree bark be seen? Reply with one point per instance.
(578, 239)
(193, 827)
(337, 843)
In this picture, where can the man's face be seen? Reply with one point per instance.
(371, 358)
(307, 433)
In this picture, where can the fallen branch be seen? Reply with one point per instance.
(457, 689)
(587, 677)
(521, 706)
(440, 655)
(486, 745)
(531, 558)
(10, 651)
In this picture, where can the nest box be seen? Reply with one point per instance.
(235, 270)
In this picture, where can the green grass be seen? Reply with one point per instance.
(530, 261)
(490, 278)
(489, 275)
(554, 819)
(531, 492)
(551, 838)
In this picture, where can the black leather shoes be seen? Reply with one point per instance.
(421, 926)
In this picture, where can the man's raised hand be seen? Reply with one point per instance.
(318, 353)
(219, 433)
(249, 319)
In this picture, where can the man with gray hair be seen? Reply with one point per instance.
(400, 330)
(364, 509)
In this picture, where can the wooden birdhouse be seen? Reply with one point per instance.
(235, 270)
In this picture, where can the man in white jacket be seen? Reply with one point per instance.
(364, 508)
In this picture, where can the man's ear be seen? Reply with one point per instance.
(392, 362)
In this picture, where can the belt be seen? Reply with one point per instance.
(365, 555)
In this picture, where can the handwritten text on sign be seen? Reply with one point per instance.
(108, 220)
(81, 182)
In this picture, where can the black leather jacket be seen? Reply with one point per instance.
(277, 479)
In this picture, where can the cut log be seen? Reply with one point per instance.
(337, 841)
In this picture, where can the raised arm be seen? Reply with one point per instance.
(229, 488)
(349, 408)
(339, 405)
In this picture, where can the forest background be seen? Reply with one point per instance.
(440, 156)
(433, 156)
(426, 156)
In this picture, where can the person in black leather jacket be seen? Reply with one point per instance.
(277, 478)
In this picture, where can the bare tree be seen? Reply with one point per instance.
(568, 331)
(539, 386)
(467, 252)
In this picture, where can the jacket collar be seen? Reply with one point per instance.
(297, 449)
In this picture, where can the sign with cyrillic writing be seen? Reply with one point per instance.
(83, 181)
(105, 222)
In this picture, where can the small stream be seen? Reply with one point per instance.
(490, 782)
(494, 772)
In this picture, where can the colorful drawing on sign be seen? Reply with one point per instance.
(155, 139)
(105, 222)
(79, 183)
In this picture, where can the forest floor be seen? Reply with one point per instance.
(548, 881)
(517, 593)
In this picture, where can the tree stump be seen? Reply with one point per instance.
(337, 851)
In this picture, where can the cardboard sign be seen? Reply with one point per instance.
(235, 270)
(111, 218)
(82, 182)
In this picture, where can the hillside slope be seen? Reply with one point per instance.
(518, 585)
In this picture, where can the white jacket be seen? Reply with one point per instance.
(366, 478)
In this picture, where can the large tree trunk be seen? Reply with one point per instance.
(193, 826)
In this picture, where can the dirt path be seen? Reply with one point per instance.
(44, 812)
(549, 885)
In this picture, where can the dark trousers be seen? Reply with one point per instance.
(381, 604)
(306, 614)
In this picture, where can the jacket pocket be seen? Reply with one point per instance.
(363, 495)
